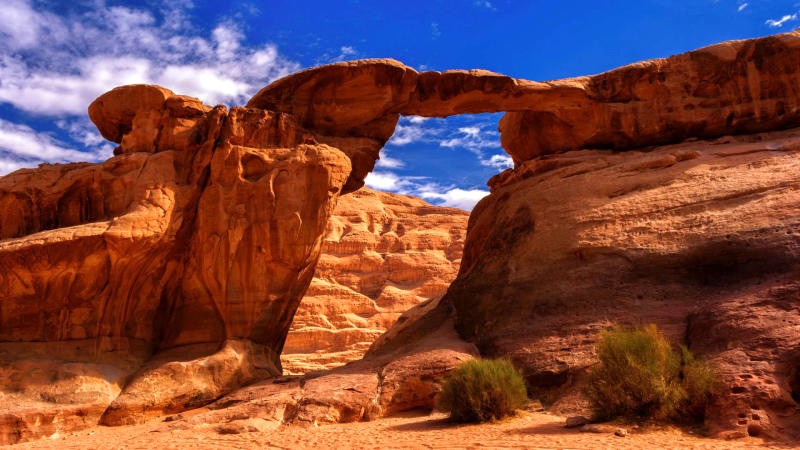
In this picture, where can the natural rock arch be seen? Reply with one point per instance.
(728, 88)
(180, 262)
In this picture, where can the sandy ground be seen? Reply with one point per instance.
(527, 430)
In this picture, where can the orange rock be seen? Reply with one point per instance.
(115, 112)
(699, 238)
(382, 254)
(195, 234)
(734, 87)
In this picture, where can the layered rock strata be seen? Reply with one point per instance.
(382, 254)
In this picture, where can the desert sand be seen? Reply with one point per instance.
(529, 430)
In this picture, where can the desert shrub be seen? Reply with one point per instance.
(699, 382)
(481, 390)
(640, 375)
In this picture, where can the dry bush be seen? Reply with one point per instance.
(481, 390)
(640, 375)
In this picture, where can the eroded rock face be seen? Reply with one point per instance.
(382, 254)
(204, 229)
(733, 87)
(700, 238)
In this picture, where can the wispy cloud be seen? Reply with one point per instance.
(22, 146)
(54, 65)
(472, 137)
(773, 23)
(387, 162)
(484, 4)
(477, 140)
(436, 193)
(742, 7)
(435, 32)
(408, 133)
(456, 197)
(344, 53)
(500, 162)
(390, 181)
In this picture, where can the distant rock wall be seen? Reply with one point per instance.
(382, 254)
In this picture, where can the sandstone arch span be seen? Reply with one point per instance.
(727, 88)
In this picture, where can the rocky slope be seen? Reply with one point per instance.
(168, 276)
(382, 254)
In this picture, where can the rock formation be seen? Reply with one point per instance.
(190, 249)
(382, 254)
(699, 238)
(170, 273)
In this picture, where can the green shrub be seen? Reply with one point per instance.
(481, 390)
(699, 382)
(640, 375)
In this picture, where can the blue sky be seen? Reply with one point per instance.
(57, 56)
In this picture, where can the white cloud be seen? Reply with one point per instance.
(387, 162)
(386, 181)
(483, 4)
(476, 140)
(742, 7)
(347, 50)
(414, 129)
(8, 165)
(346, 53)
(226, 39)
(19, 24)
(406, 134)
(56, 65)
(459, 198)
(419, 187)
(500, 162)
(772, 23)
(83, 131)
(22, 146)
(473, 138)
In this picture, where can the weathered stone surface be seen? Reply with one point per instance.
(699, 238)
(204, 229)
(382, 254)
(115, 112)
(576, 421)
(734, 87)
